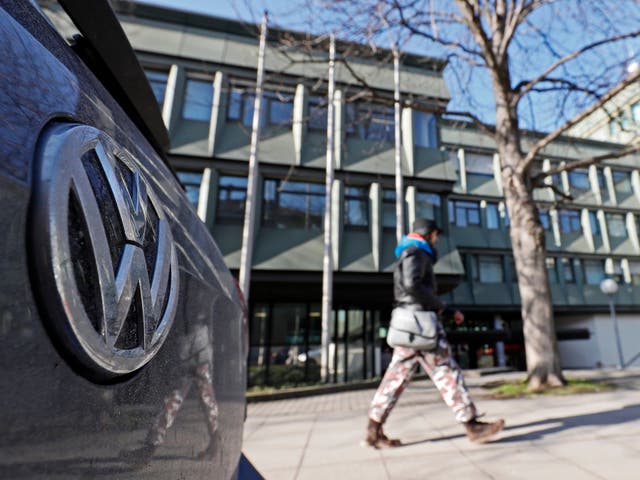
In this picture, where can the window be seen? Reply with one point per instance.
(579, 182)
(479, 164)
(634, 270)
(569, 221)
(191, 182)
(463, 213)
(614, 127)
(595, 224)
(276, 108)
(428, 205)
(568, 273)
(552, 273)
(370, 122)
(617, 274)
(388, 209)
(198, 98)
(602, 183)
(356, 208)
(593, 271)
(635, 113)
(616, 225)
(513, 272)
(317, 119)
(545, 220)
(622, 182)
(158, 82)
(490, 269)
(452, 156)
(425, 130)
(293, 204)
(232, 195)
(493, 217)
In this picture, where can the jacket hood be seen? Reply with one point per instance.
(415, 240)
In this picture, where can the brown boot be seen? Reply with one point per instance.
(481, 432)
(377, 439)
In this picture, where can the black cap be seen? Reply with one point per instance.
(424, 226)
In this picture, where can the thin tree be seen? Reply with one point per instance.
(566, 56)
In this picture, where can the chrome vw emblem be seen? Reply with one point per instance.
(105, 257)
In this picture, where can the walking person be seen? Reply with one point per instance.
(415, 289)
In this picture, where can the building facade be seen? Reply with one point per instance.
(202, 71)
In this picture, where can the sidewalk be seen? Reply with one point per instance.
(589, 436)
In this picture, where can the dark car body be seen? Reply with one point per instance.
(119, 322)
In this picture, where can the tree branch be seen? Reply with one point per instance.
(526, 85)
(533, 152)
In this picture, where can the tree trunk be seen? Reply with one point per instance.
(528, 243)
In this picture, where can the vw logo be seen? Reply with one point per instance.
(105, 259)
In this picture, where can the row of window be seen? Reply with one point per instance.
(362, 120)
(487, 268)
(480, 165)
(301, 205)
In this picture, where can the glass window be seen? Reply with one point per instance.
(622, 182)
(545, 220)
(280, 108)
(191, 182)
(593, 271)
(635, 113)
(602, 183)
(493, 217)
(616, 225)
(472, 264)
(158, 82)
(567, 270)
(513, 272)
(479, 163)
(370, 122)
(617, 274)
(634, 270)
(317, 113)
(569, 221)
(276, 108)
(232, 195)
(356, 208)
(293, 204)
(490, 269)
(614, 127)
(198, 98)
(463, 213)
(595, 224)
(552, 273)
(452, 156)
(579, 182)
(388, 209)
(425, 130)
(428, 205)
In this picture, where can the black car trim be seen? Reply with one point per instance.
(105, 49)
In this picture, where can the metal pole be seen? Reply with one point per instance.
(327, 267)
(246, 253)
(398, 146)
(617, 333)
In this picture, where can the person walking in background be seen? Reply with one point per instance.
(415, 288)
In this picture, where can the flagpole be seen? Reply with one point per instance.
(398, 146)
(246, 253)
(327, 270)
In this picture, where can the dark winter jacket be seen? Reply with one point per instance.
(414, 282)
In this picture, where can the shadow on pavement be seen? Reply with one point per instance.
(628, 413)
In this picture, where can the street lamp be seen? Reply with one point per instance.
(610, 287)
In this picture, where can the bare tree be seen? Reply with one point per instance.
(565, 56)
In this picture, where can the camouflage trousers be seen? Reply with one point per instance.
(439, 365)
(201, 376)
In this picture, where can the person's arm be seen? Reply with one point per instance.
(414, 266)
